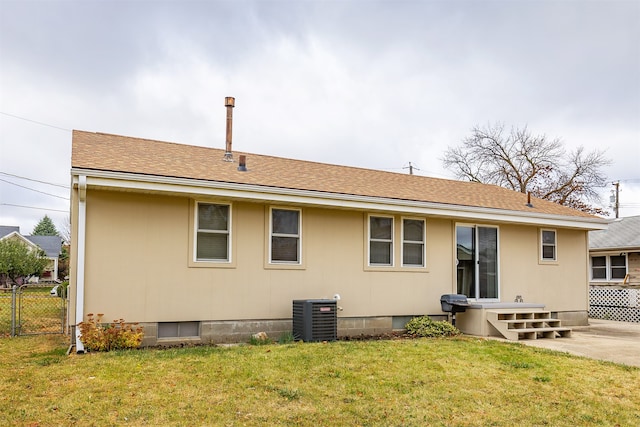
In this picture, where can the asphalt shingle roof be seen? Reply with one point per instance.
(106, 152)
(8, 229)
(623, 233)
(51, 245)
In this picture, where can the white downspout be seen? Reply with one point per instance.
(82, 228)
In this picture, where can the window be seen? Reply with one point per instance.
(413, 242)
(380, 240)
(178, 329)
(477, 261)
(609, 267)
(212, 236)
(618, 266)
(599, 268)
(285, 236)
(548, 246)
(382, 232)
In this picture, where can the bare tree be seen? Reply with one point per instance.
(524, 162)
(65, 229)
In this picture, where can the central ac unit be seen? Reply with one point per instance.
(315, 320)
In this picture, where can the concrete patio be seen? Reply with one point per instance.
(608, 340)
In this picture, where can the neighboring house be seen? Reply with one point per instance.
(614, 261)
(51, 245)
(5, 230)
(196, 248)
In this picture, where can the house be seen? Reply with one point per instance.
(204, 244)
(50, 245)
(614, 271)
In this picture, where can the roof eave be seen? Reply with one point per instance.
(125, 181)
(21, 237)
(634, 248)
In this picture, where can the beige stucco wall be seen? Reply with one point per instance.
(560, 285)
(138, 267)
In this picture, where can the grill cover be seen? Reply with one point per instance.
(454, 303)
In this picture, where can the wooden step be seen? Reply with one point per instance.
(523, 315)
(528, 324)
(562, 331)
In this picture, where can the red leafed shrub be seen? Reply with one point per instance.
(118, 335)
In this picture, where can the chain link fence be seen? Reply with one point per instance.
(33, 310)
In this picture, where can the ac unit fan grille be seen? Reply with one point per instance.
(315, 320)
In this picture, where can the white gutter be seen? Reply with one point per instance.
(82, 229)
(153, 183)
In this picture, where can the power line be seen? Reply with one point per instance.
(34, 180)
(411, 168)
(426, 173)
(35, 121)
(32, 189)
(33, 207)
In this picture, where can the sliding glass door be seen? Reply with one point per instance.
(477, 261)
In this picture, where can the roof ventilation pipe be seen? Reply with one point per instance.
(229, 102)
(242, 163)
(529, 205)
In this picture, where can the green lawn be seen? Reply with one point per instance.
(413, 382)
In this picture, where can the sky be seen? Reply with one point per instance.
(374, 84)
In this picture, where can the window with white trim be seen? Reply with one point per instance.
(413, 236)
(548, 245)
(213, 225)
(284, 230)
(380, 240)
(608, 267)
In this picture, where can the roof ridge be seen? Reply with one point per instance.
(274, 157)
(118, 153)
(134, 137)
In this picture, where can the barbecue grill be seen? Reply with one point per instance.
(454, 303)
